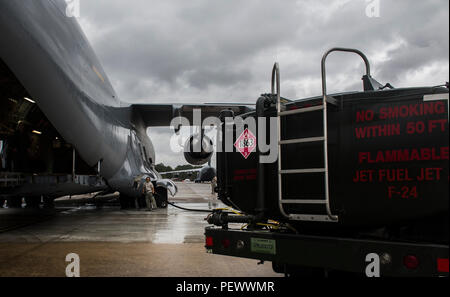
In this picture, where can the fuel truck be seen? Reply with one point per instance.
(358, 185)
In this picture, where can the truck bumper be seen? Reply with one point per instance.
(332, 253)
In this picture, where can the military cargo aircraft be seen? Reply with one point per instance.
(63, 129)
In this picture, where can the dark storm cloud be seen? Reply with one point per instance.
(186, 40)
(199, 50)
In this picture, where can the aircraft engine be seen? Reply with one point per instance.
(196, 154)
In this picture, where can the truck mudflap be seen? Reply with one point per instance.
(367, 257)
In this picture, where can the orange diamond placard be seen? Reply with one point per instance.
(246, 143)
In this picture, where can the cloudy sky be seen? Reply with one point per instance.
(223, 50)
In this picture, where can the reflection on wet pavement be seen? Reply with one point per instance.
(115, 242)
(110, 223)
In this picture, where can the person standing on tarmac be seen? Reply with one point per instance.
(149, 191)
(213, 185)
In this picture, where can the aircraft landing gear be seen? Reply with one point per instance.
(161, 197)
(49, 202)
(15, 202)
(32, 202)
(126, 202)
(2, 202)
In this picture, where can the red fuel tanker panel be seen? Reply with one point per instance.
(394, 161)
(388, 159)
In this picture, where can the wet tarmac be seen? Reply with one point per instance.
(114, 242)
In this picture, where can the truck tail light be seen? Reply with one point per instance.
(226, 243)
(442, 265)
(411, 262)
(209, 241)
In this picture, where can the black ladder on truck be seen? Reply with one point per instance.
(327, 215)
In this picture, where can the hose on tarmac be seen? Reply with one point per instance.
(190, 209)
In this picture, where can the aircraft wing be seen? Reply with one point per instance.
(181, 171)
(155, 115)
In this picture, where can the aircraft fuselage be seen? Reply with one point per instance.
(49, 54)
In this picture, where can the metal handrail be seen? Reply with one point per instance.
(325, 120)
(276, 79)
(341, 49)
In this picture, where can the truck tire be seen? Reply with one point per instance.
(298, 271)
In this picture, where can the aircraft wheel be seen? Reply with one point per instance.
(32, 202)
(126, 202)
(15, 202)
(2, 202)
(49, 202)
(161, 197)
